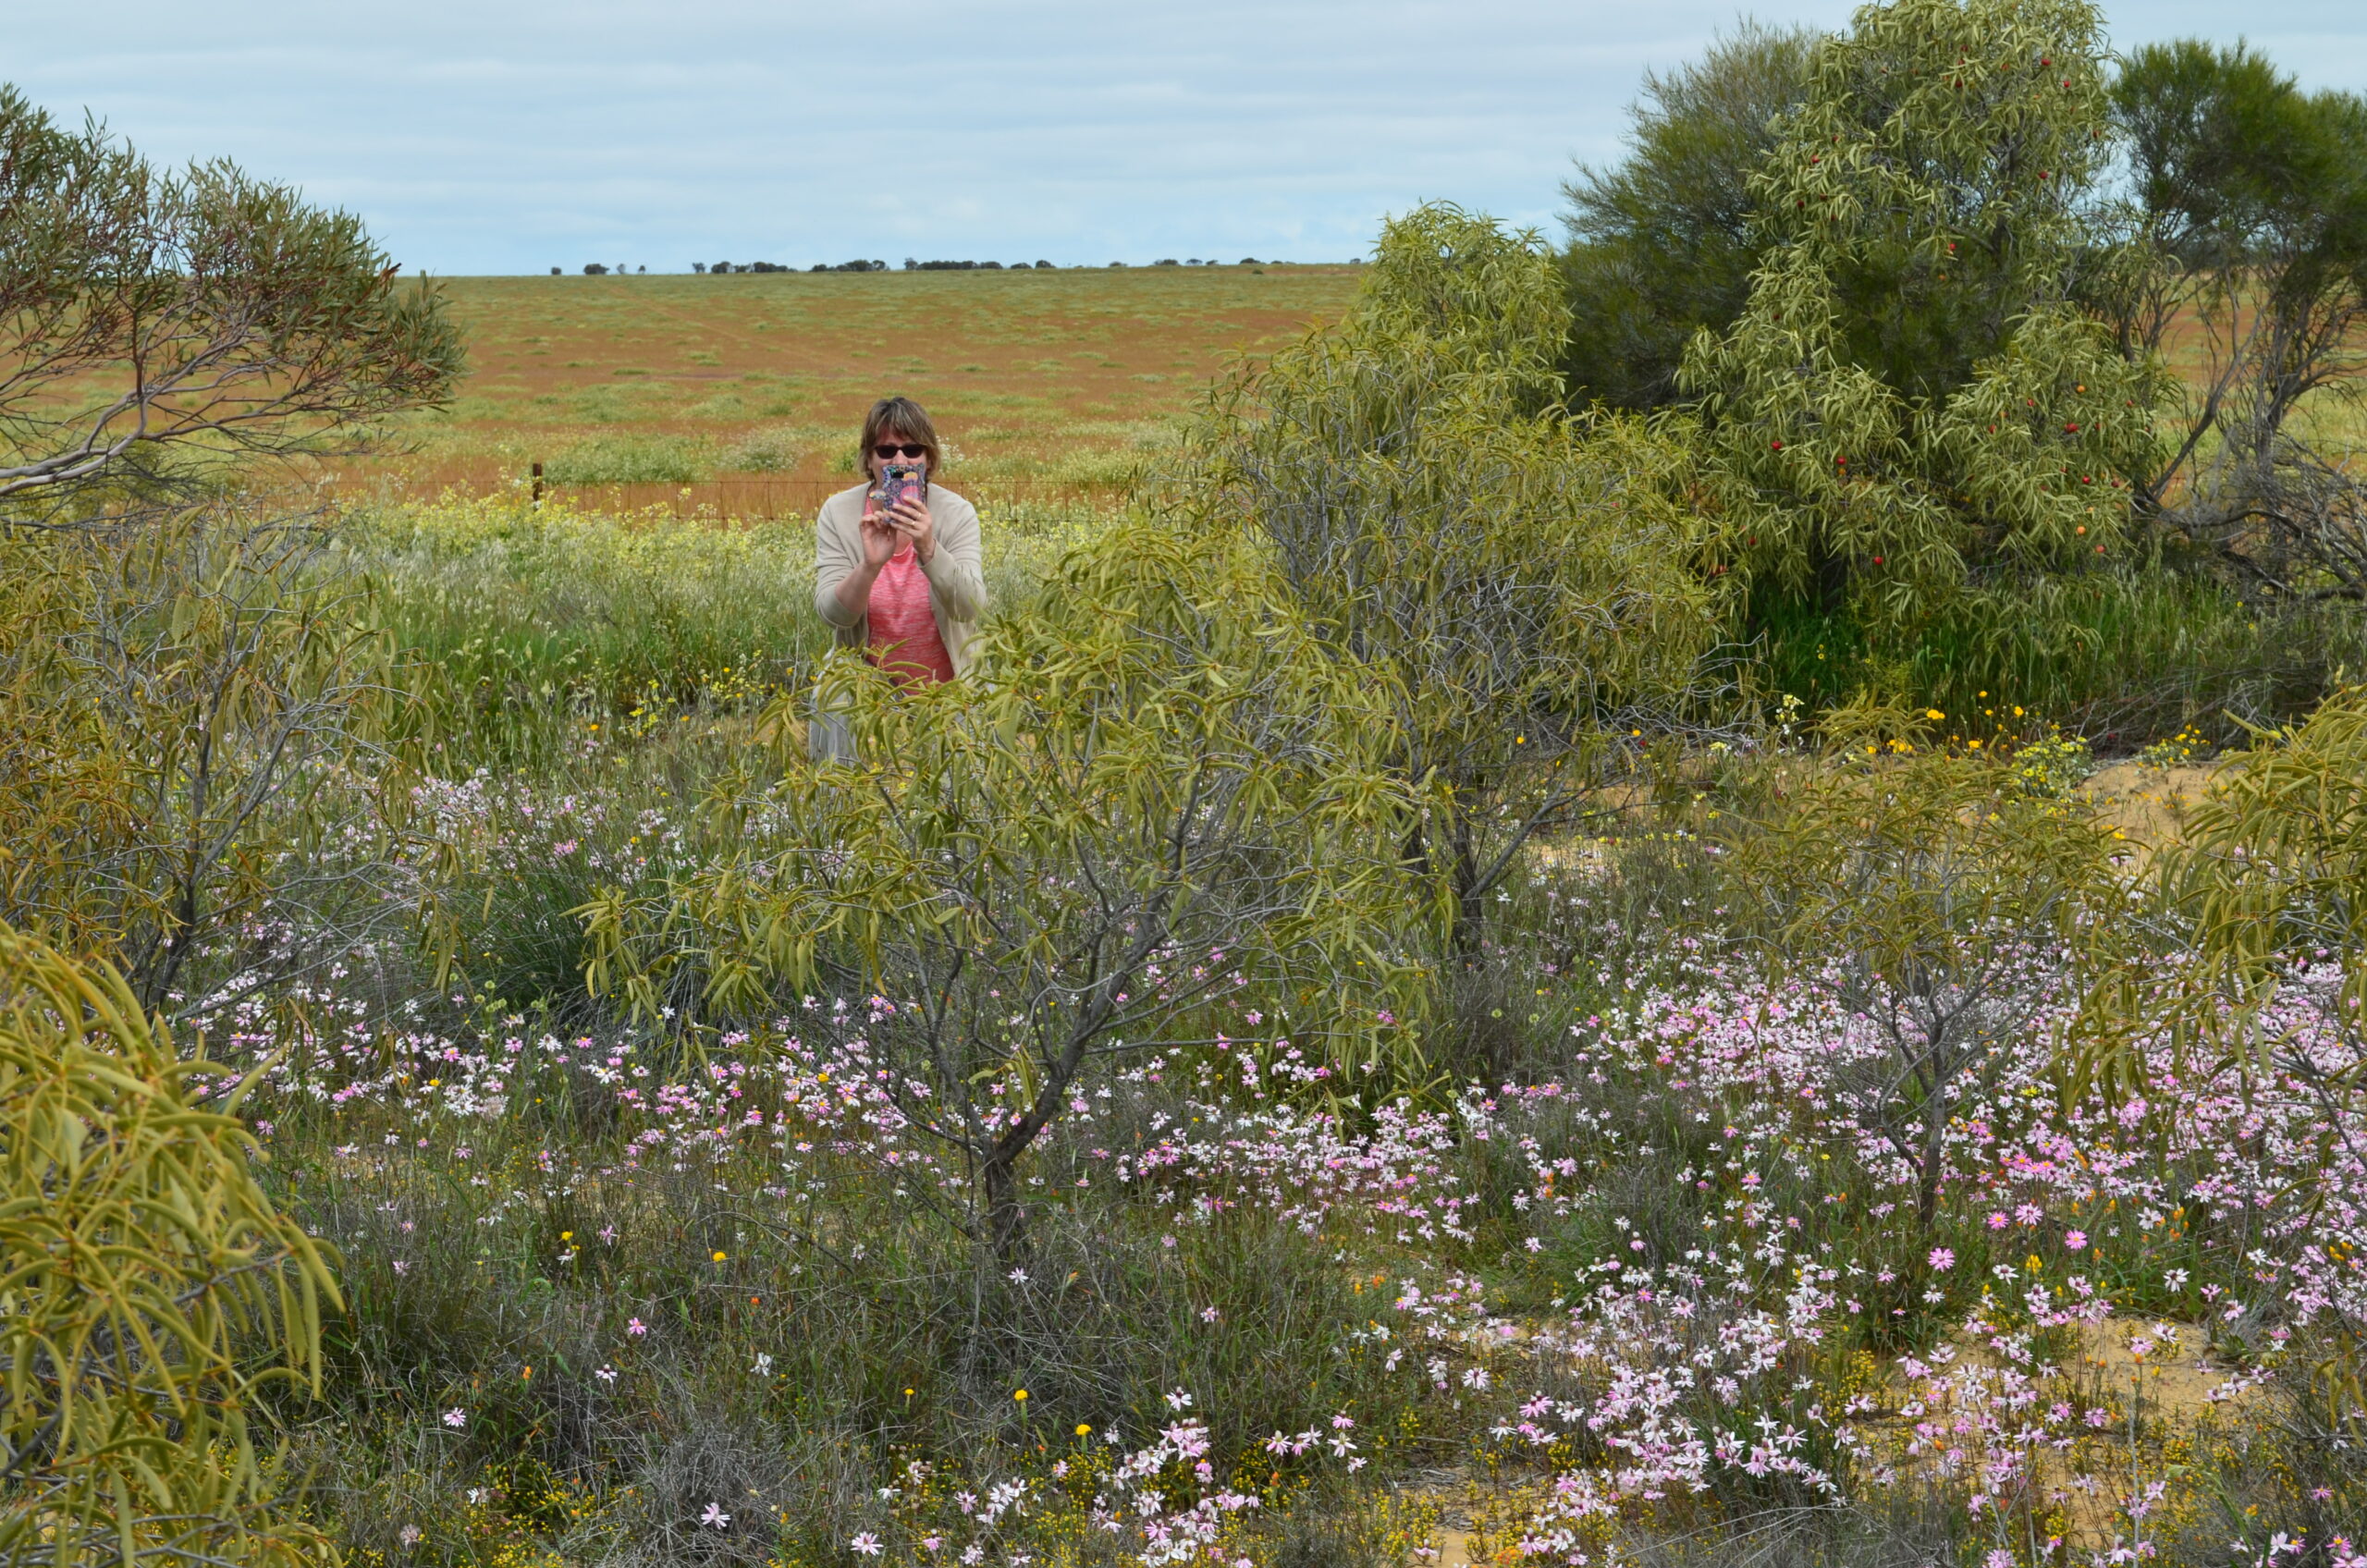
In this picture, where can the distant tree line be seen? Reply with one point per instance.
(912, 266)
(601, 269)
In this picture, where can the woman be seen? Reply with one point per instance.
(907, 585)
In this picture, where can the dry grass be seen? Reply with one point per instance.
(747, 390)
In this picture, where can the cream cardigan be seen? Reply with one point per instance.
(956, 569)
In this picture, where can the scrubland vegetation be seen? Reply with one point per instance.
(1482, 974)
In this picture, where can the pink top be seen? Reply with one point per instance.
(904, 639)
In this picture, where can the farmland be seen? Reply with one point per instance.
(741, 393)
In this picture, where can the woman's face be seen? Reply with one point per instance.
(900, 441)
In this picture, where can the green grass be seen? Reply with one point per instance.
(2123, 657)
(529, 629)
(524, 623)
(626, 460)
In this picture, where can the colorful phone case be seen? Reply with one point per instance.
(900, 480)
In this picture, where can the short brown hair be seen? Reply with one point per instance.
(903, 417)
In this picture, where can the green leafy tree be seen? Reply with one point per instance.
(185, 673)
(2250, 196)
(148, 1291)
(1523, 581)
(1914, 887)
(1163, 813)
(1914, 392)
(148, 316)
(1662, 244)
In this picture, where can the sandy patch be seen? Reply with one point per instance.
(2148, 804)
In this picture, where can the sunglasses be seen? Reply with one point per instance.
(891, 449)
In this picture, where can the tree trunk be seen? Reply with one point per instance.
(1006, 1218)
(1469, 912)
(1927, 1198)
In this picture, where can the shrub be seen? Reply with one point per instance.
(1525, 579)
(1930, 893)
(2117, 656)
(199, 697)
(147, 1275)
(2274, 863)
(630, 459)
(763, 451)
(1160, 801)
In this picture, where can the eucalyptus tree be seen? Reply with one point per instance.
(1158, 816)
(1917, 390)
(155, 322)
(1663, 243)
(1532, 588)
(2249, 199)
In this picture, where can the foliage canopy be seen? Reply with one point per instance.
(2275, 858)
(1913, 392)
(1665, 244)
(2252, 209)
(1162, 805)
(150, 317)
(1523, 579)
(186, 704)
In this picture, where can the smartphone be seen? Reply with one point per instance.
(898, 481)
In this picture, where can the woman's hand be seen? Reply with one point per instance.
(881, 539)
(911, 520)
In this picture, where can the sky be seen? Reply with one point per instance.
(512, 136)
